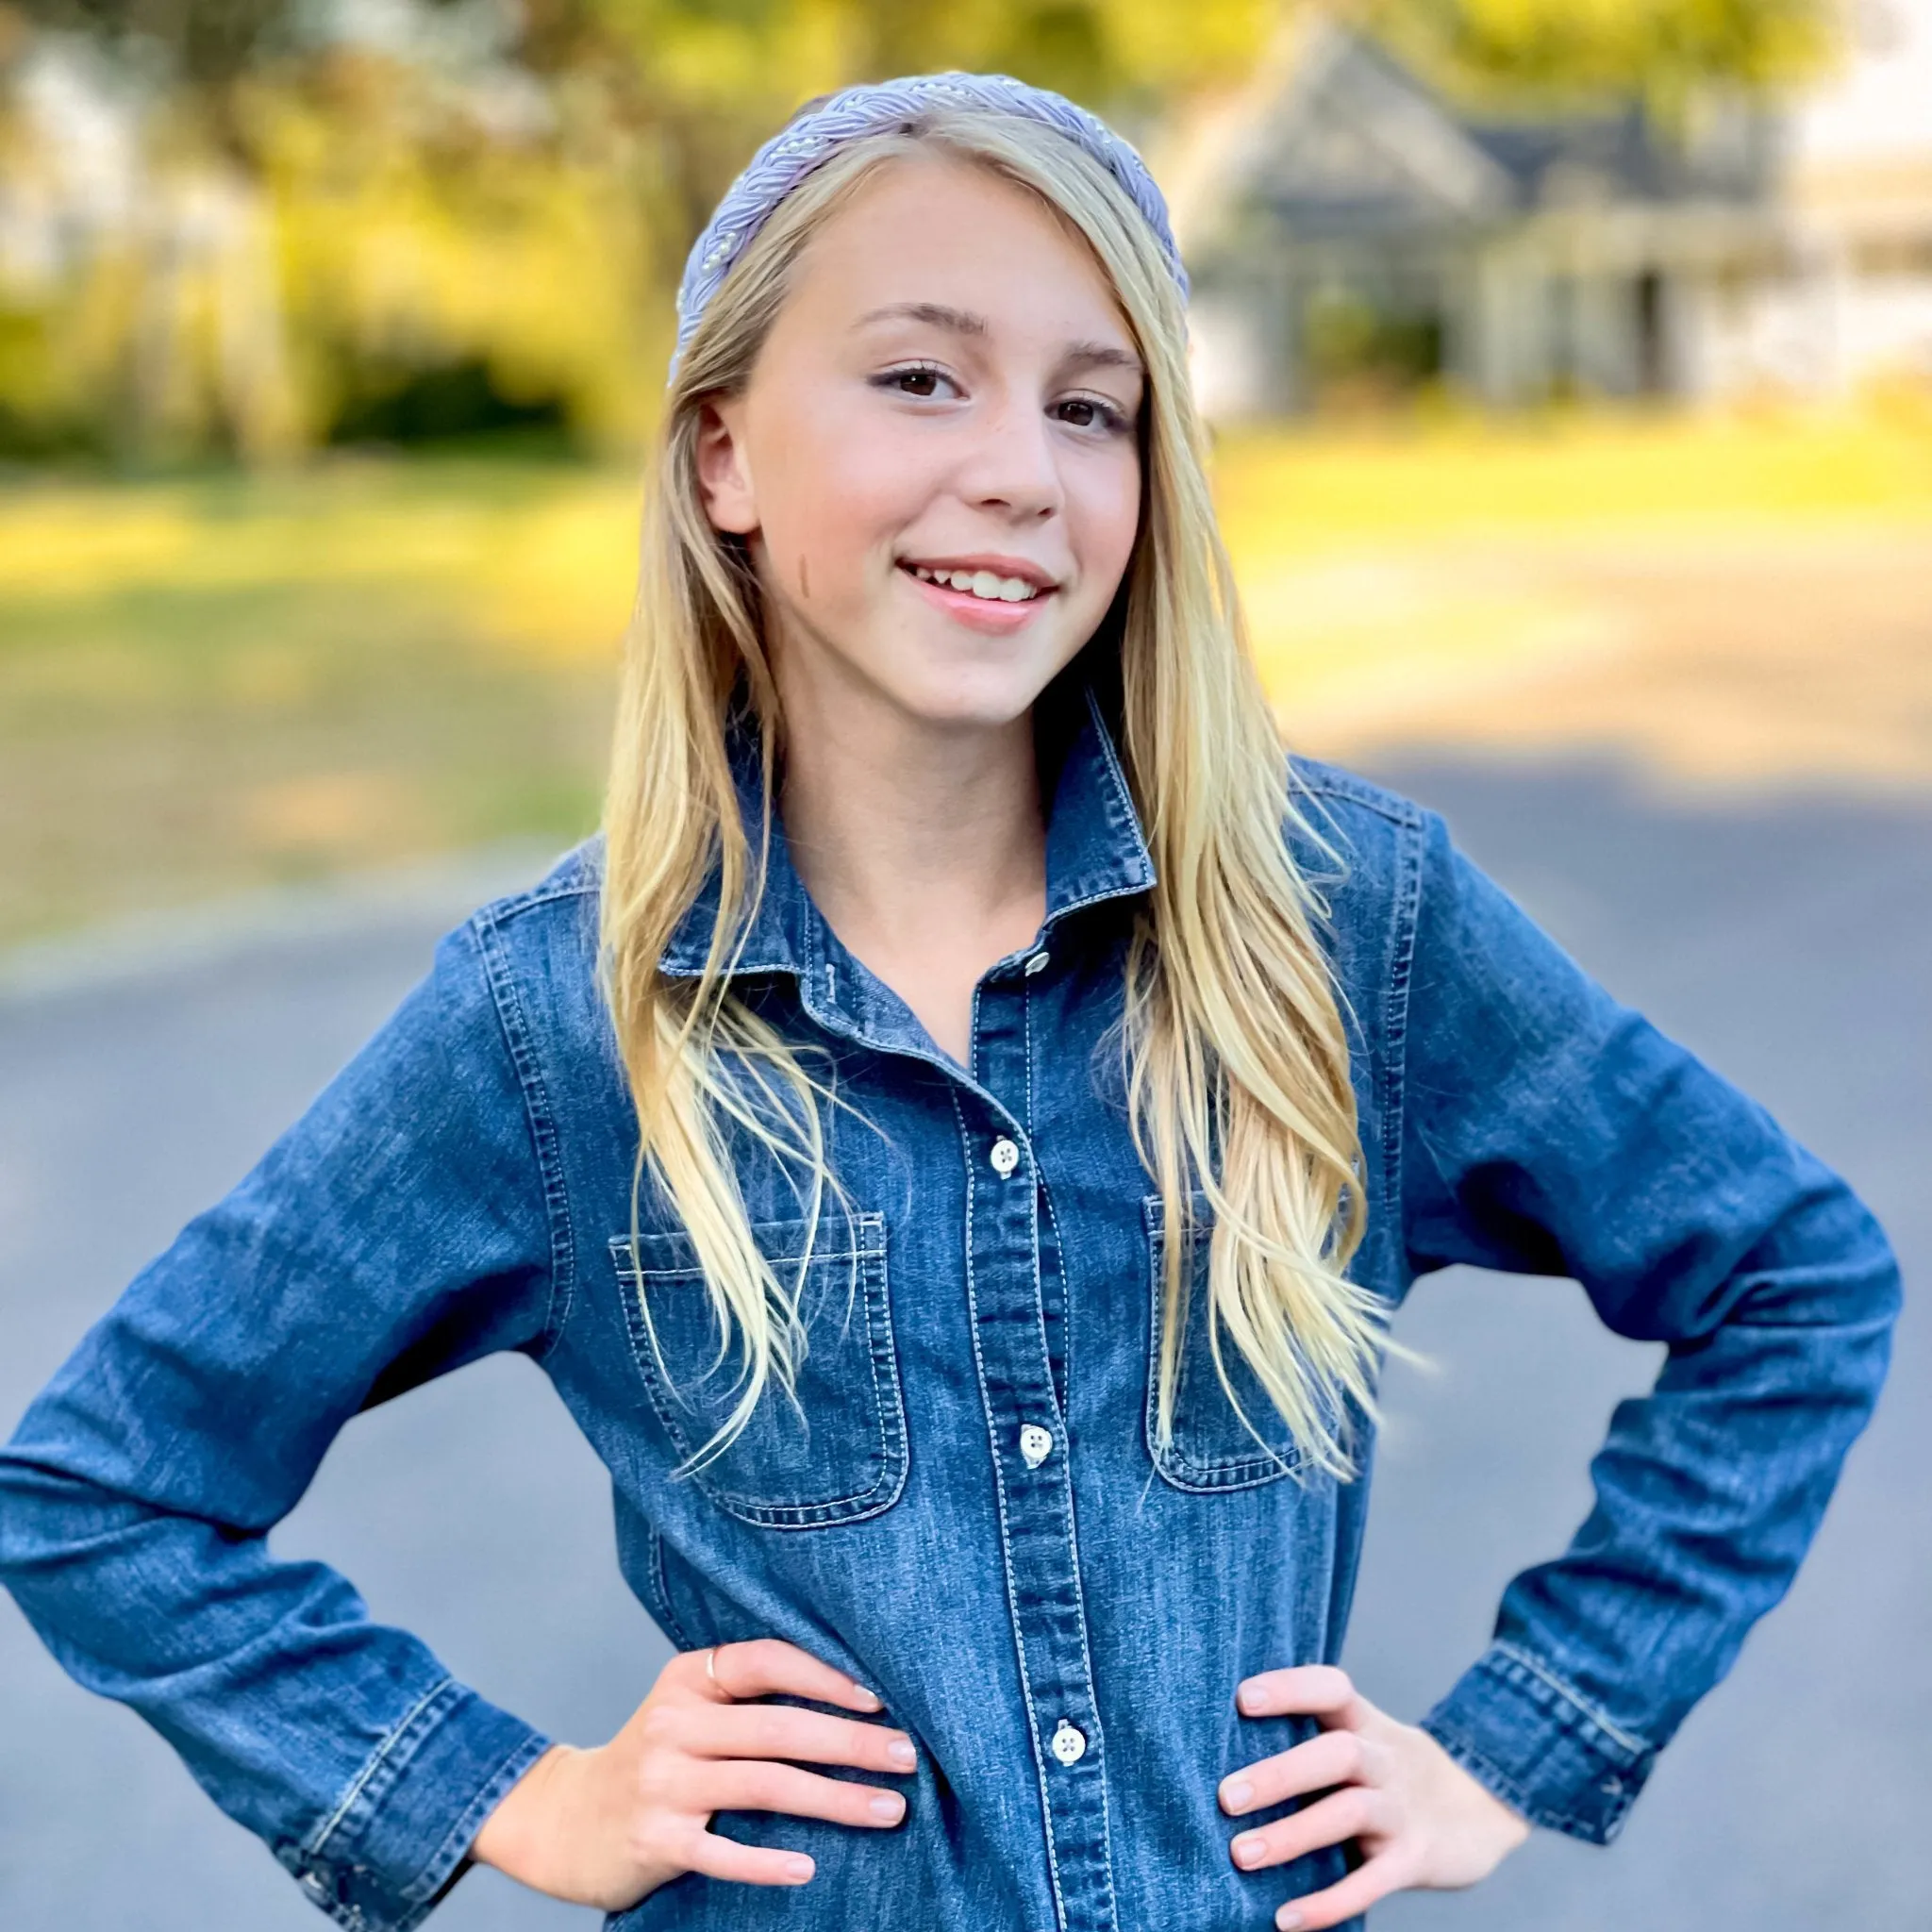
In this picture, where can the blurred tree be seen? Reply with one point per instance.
(701, 82)
(380, 232)
(1667, 51)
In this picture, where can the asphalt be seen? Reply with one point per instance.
(1789, 941)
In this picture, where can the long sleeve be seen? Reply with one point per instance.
(398, 1231)
(1550, 1130)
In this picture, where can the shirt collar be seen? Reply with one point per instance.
(1095, 848)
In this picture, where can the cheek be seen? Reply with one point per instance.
(848, 489)
(1103, 505)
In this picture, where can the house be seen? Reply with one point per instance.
(1849, 295)
(1347, 227)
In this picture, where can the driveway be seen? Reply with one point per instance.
(1790, 943)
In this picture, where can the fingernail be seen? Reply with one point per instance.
(798, 1866)
(869, 1698)
(901, 1751)
(888, 1805)
(1248, 1698)
(1288, 1919)
(1236, 1796)
(1249, 1850)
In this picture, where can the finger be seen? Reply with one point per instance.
(724, 1857)
(1344, 1900)
(1318, 1691)
(751, 1785)
(768, 1666)
(1336, 1758)
(778, 1731)
(1348, 1813)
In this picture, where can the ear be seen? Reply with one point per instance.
(724, 473)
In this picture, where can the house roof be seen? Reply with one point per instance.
(1333, 136)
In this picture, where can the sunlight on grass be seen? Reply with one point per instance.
(1296, 495)
(211, 682)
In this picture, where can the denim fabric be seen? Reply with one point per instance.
(463, 1186)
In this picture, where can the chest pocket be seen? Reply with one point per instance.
(1211, 1448)
(840, 1454)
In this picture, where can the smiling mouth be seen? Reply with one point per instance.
(988, 586)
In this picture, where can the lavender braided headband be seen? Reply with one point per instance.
(875, 108)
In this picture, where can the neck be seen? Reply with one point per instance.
(897, 826)
(923, 846)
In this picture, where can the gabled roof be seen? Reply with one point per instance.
(1332, 135)
(1358, 141)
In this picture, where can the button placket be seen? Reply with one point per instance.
(1033, 1496)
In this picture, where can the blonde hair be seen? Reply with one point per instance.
(1236, 1062)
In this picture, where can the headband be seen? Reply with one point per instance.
(878, 108)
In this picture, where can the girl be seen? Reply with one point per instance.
(955, 1143)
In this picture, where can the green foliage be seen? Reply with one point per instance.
(398, 265)
(1665, 50)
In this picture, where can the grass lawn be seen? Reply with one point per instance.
(211, 683)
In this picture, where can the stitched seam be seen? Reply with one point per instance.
(509, 1016)
(470, 1821)
(1178, 1469)
(395, 1735)
(1039, 1189)
(872, 1501)
(538, 896)
(1066, 1474)
(999, 1480)
(1066, 1303)
(1395, 1049)
(1555, 1817)
(1123, 797)
(1398, 811)
(621, 1243)
(661, 1588)
(677, 966)
(1628, 1740)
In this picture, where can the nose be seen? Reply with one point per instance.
(1012, 467)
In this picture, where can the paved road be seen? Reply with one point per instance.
(1790, 945)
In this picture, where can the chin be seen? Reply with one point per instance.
(980, 697)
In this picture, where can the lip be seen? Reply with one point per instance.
(997, 562)
(977, 613)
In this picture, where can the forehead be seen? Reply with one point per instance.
(936, 229)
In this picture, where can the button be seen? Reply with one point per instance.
(1038, 963)
(1035, 1444)
(1069, 1743)
(1005, 1157)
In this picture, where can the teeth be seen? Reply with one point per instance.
(980, 583)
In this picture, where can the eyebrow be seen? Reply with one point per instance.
(962, 322)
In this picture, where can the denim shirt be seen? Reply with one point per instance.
(972, 1517)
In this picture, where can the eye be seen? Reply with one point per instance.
(1100, 415)
(916, 379)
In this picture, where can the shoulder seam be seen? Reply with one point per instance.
(498, 911)
(1398, 811)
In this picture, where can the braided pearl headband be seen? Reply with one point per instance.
(875, 108)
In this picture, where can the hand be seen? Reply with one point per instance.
(1422, 1821)
(608, 1826)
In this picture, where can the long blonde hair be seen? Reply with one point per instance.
(1236, 1062)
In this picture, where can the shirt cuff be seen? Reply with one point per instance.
(1516, 1727)
(400, 1837)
